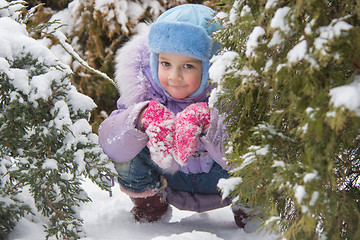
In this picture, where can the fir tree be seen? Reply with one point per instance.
(289, 84)
(46, 142)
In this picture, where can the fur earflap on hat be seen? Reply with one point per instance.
(186, 30)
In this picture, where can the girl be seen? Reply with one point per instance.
(164, 140)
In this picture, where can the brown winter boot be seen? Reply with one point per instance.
(240, 216)
(149, 209)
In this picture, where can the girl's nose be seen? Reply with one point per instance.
(175, 74)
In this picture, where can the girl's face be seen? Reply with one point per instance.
(179, 75)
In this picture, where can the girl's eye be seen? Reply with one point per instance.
(188, 66)
(165, 64)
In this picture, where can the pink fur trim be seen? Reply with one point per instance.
(147, 193)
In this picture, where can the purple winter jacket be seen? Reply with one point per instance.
(122, 141)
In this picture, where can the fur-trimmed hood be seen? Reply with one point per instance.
(132, 70)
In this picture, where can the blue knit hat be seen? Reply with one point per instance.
(185, 29)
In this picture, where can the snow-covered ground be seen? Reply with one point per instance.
(109, 218)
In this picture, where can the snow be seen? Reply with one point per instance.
(270, 129)
(347, 96)
(299, 193)
(268, 64)
(260, 150)
(228, 185)
(233, 12)
(19, 75)
(50, 164)
(328, 33)
(246, 10)
(193, 235)
(12, 11)
(68, 48)
(109, 218)
(219, 67)
(279, 20)
(252, 42)
(79, 101)
(310, 176)
(297, 53)
(278, 164)
(272, 219)
(276, 39)
(308, 28)
(270, 4)
(314, 198)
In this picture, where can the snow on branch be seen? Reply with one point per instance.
(69, 49)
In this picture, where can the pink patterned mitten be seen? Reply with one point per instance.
(189, 125)
(159, 125)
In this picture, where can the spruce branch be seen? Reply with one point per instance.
(23, 19)
(49, 30)
(69, 49)
(13, 3)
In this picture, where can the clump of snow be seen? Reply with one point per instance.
(330, 32)
(248, 158)
(347, 96)
(270, 129)
(228, 185)
(79, 101)
(50, 164)
(220, 66)
(260, 150)
(308, 27)
(300, 193)
(278, 164)
(314, 198)
(18, 76)
(12, 10)
(297, 53)
(331, 114)
(272, 219)
(245, 73)
(252, 155)
(280, 66)
(310, 176)
(253, 41)
(276, 39)
(245, 10)
(62, 115)
(234, 12)
(268, 65)
(270, 4)
(220, 16)
(230, 148)
(310, 112)
(279, 20)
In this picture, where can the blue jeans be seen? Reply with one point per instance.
(141, 174)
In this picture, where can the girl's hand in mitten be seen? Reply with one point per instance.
(159, 124)
(190, 123)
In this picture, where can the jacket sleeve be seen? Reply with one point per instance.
(214, 137)
(118, 134)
